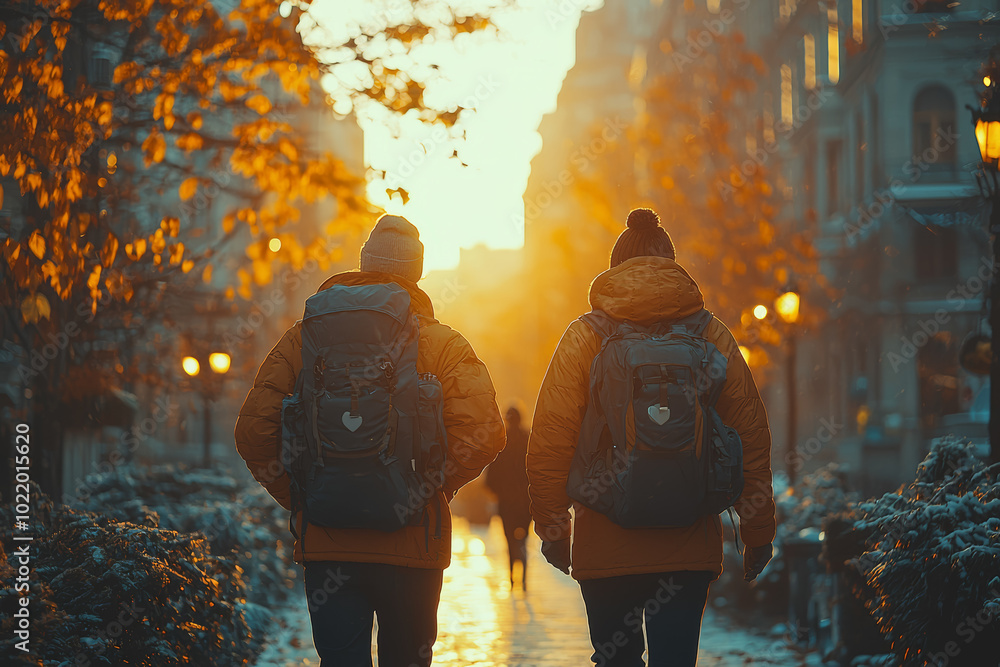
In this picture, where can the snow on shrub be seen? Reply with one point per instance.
(110, 592)
(240, 520)
(926, 560)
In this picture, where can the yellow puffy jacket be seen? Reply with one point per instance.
(644, 290)
(472, 420)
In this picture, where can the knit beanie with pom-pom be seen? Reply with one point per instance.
(644, 237)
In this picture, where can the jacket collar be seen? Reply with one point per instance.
(419, 301)
(646, 290)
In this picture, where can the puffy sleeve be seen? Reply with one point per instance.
(471, 416)
(559, 411)
(740, 407)
(258, 427)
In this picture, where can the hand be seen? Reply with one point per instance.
(557, 553)
(754, 560)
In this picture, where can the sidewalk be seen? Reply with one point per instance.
(481, 622)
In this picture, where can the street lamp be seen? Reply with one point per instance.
(191, 366)
(986, 120)
(787, 307)
(219, 362)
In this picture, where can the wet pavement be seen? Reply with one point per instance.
(482, 622)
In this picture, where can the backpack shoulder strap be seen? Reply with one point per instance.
(695, 323)
(601, 323)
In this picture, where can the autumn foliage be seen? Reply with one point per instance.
(157, 156)
(703, 155)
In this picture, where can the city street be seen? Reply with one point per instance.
(483, 623)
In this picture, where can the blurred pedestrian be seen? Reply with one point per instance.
(508, 479)
(652, 546)
(354, 446)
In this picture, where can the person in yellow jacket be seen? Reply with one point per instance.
(631, 575)
(351, 574)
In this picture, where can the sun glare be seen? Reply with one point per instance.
(463, 186)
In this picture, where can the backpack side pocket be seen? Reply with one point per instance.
(432, 454)
(725, 466)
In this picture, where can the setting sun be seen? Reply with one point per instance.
(462, 191)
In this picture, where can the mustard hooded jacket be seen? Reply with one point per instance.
(471, 417)
(644, 290)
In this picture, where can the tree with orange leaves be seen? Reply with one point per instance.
(703, 155)
(139, 138)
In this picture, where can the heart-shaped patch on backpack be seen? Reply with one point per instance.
(659, 414)
(352, 422)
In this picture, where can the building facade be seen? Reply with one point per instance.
(867, 100)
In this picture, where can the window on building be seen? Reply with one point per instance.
(100, 71)
(858, 21)
(937, 370)
(935, 252)
(809, 51)
(787, 93)
(928, 6)
(10, 207)
(860, 152)
(767, 129)
(833, 152)
(873, 140)
(833, 43)
(934, 127)
(809, 180)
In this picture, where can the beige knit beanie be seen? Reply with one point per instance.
(394, 247)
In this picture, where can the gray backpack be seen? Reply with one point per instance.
(363, 436)
(653, 451)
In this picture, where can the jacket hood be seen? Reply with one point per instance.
(645, 290)
(419, 301)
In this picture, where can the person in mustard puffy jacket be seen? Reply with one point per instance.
(351, 574)
(631, 575)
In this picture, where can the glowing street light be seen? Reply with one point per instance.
(986, 120)
(760, 311)
(219, 361)
(191, 366)
(274, 245)
(787, 306)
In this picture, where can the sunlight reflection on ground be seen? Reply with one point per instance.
(482, 622)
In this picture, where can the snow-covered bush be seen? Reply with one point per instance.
(926, 560)
(817, 495)
(239, 520)
(109, 592)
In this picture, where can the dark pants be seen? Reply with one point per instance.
(672, 603)
(342, 598)
(516, 533)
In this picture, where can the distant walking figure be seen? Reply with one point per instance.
(649, 424)
(508, 479)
